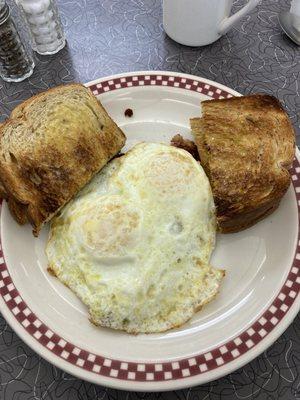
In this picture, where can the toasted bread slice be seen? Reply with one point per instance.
(50, 147)
(246, 146)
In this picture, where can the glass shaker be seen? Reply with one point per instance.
(15, 64)
(45, 28)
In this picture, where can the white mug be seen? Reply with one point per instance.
(200, 22)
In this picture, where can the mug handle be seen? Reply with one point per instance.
(227, 23)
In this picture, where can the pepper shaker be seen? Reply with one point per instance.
(15, 64)
(45, 28)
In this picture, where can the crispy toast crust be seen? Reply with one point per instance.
(246, 146)
(69, 140)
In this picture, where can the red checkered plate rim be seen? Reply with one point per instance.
(171, 374)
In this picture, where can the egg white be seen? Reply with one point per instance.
(135, 243)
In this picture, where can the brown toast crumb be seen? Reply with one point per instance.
(51, 272)
(128, 112)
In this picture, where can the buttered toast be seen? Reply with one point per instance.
(246, 146)
(50, 147)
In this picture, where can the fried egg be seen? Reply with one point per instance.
(134, 245)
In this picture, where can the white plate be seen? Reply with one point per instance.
(258, 298)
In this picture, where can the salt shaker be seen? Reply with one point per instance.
(15, 64)
(43, 21)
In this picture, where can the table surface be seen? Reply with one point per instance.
(112, 36)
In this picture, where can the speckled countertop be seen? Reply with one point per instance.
(113, 36)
